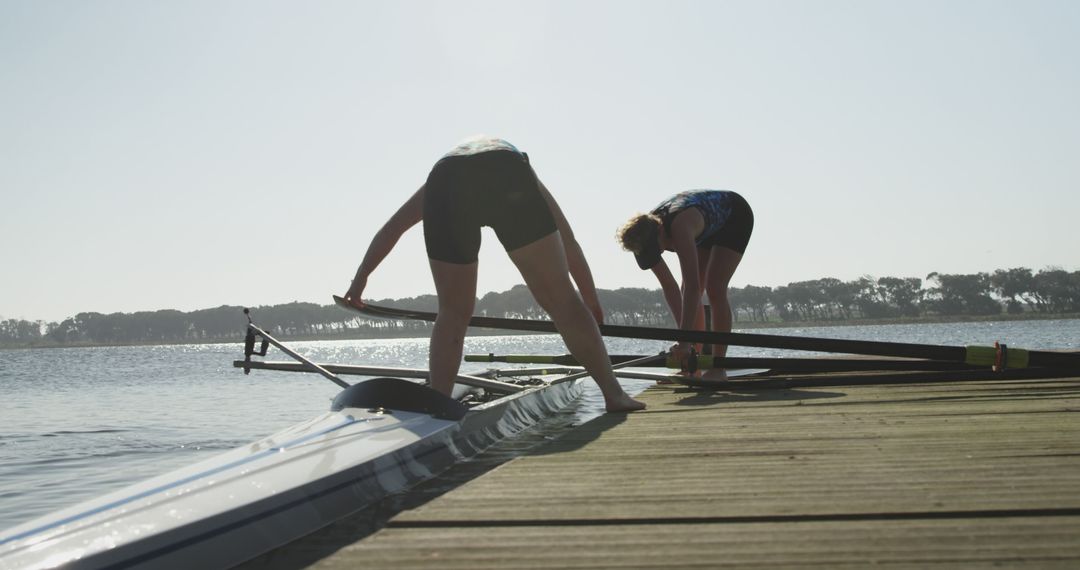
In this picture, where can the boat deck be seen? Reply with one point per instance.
(971, 474)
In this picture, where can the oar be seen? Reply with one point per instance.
(467, 380)
(974, 355)
(704, 362)
(643, 361)
(877, 378)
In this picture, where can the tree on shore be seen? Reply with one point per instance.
(961, 295)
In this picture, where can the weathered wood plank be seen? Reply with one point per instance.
(966, 543)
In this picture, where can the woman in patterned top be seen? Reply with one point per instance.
(486, 181)
(708, 230)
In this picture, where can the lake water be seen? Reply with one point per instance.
(78, 422)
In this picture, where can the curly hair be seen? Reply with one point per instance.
(639, 232)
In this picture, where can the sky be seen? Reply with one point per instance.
(192, 154)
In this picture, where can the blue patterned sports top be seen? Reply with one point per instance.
(715, 206)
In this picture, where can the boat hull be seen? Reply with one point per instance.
(244, 502)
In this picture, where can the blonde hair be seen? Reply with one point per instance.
(639, 232)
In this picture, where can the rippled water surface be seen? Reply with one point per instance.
(78, 422)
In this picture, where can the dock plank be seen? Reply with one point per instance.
(968, 543)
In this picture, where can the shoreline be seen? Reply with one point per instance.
(476, 331)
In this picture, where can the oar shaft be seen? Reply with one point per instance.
(475, 381)
(982, 356)
(643, 361)
(704, 362)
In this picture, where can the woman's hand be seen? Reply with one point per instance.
(680, 352)
(355, 290)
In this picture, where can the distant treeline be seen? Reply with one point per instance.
(1012, 291)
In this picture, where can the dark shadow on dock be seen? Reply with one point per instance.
(581, 435)
(324, 542)
(547, 437)
(702, 396)
(705, 397)
(1004, 389)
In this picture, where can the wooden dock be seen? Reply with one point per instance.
(964, 474)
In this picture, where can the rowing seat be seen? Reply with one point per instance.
(398, 394)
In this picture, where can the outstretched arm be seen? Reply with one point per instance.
(670, 288)
(575, 257)
(407, 216)
(684, 229)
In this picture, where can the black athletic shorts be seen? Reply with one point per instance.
(736, 232)
(497, 189)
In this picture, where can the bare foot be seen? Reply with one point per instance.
(715, 374)
(623, 403)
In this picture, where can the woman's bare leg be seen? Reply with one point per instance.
(455, 285)
(722, 265)
(543, 265)
(704, 256)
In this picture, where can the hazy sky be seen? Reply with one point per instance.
(183, 154)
